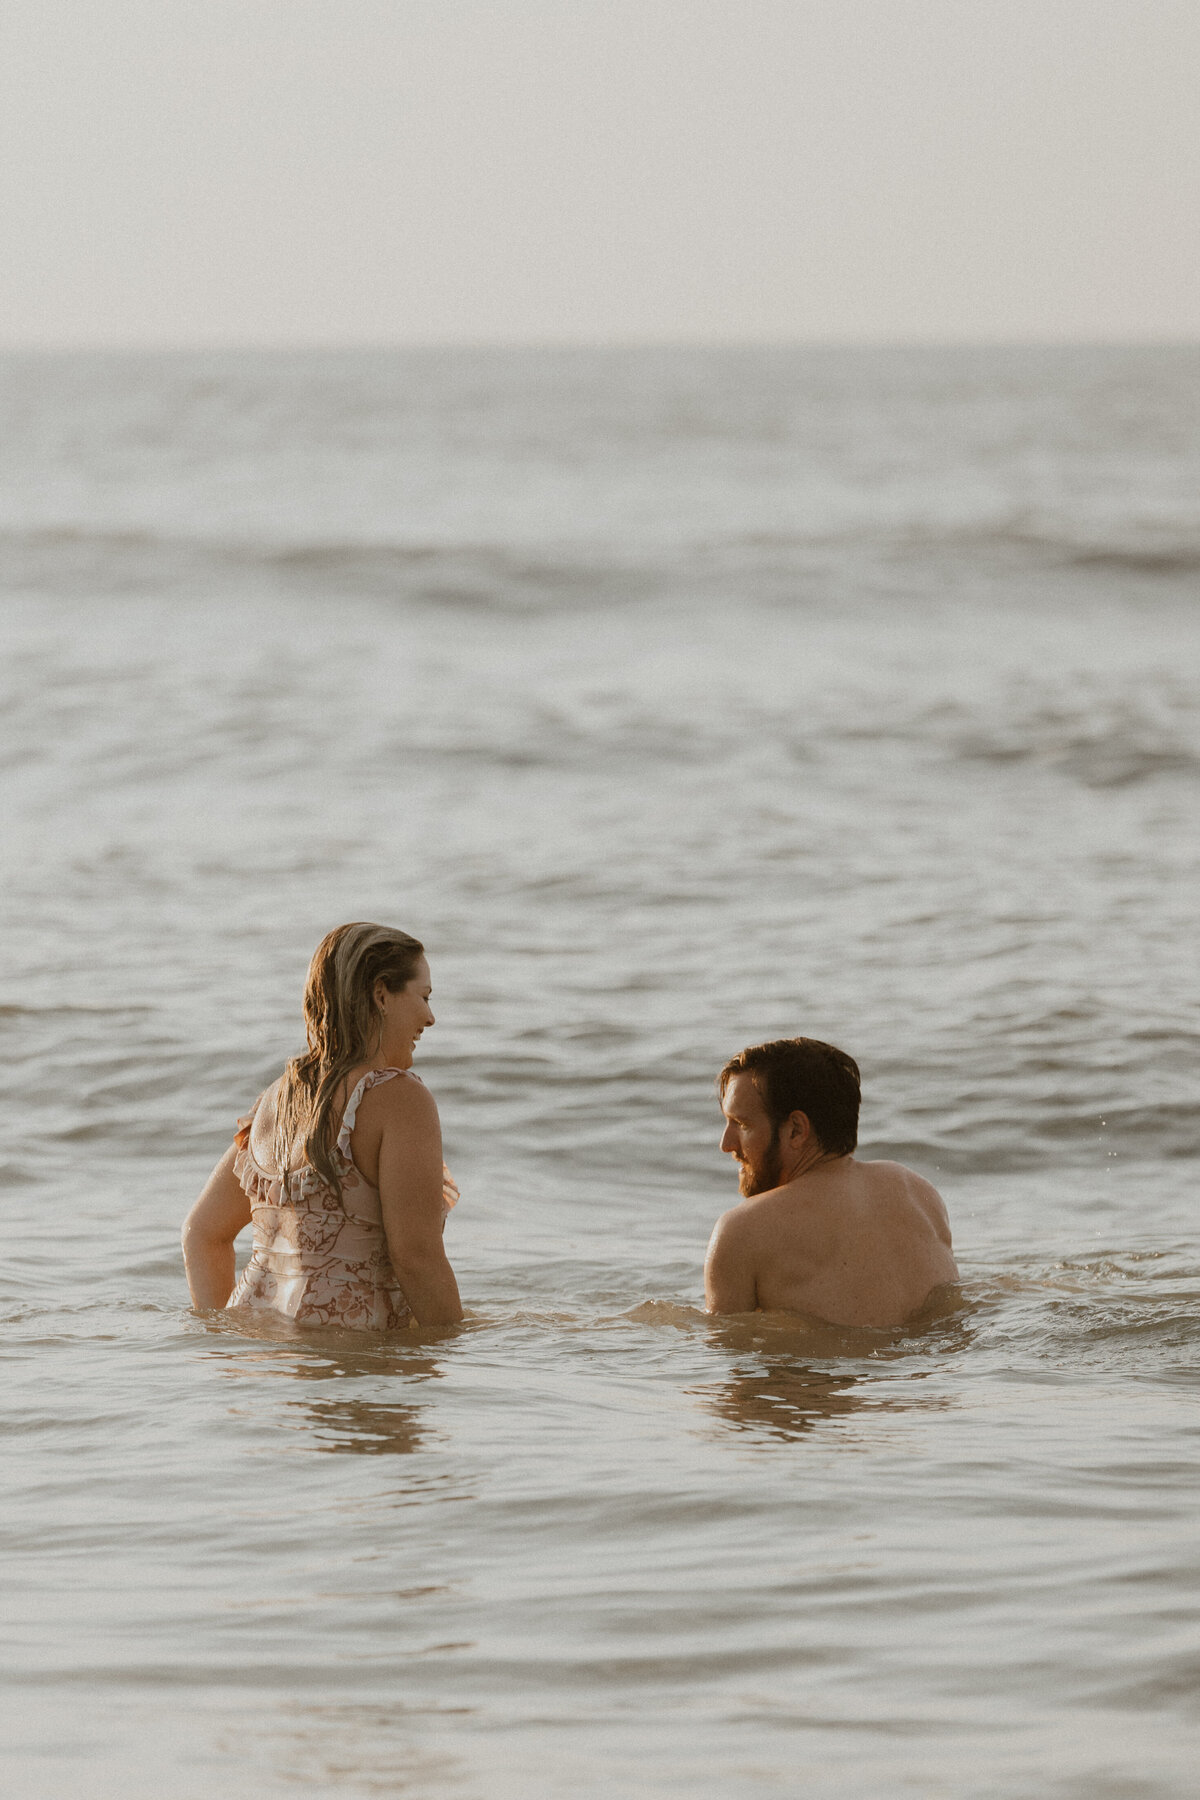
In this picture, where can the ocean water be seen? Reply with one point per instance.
(675, 700)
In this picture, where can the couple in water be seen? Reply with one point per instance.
(338, 1167)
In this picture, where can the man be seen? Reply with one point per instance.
(817, 1231)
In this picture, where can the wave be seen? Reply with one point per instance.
(1048, 1135)
(74, 559)
(993, 542)
(1104, 731)
(1103, 735)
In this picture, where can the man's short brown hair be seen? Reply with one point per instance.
(804, 1075)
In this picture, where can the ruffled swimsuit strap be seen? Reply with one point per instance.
(256, 1184)
(242, 1133)
(371, 1079)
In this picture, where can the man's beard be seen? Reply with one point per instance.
(758, 1177)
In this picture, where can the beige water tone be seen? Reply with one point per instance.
(674, 701)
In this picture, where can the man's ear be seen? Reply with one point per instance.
(797, 1130)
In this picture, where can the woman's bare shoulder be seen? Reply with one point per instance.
(404, 1099)
(264, 1106)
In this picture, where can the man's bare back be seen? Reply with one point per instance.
(854, 1243)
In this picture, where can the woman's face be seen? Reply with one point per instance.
(405, 1014)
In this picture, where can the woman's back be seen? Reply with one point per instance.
(319, 1257)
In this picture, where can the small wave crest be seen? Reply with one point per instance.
(76, 561)
(857, 555)
(1102, 730)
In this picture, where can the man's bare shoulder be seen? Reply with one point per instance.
(729, 1264)
(896, 1179)
(763, 1226)
(731, 1226)
(749, 1222)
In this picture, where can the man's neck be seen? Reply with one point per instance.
(810, 1158)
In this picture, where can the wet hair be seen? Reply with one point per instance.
(804, 1075)
(344, 1028)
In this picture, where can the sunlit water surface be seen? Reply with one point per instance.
(675, 701)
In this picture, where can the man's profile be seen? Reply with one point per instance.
(816, 1230)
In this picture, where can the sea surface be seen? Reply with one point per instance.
(675, 699)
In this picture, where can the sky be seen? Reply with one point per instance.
(295, 172)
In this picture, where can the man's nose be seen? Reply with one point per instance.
(728, 1138)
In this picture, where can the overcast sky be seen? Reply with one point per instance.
(341, 171)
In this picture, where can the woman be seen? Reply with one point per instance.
(339, 1164)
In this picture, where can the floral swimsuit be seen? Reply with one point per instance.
(321, 1258)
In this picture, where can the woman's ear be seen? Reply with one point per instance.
(379, 993)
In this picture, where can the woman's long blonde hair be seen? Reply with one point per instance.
(344, 1029)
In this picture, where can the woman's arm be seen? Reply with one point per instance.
(222, 1210)
(410, 1191)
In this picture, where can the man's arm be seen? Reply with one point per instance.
(933, 1206)
(729, 1285)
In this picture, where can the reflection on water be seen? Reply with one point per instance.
(356, 1425)
(781, 1400)
(362, 1750)
(785, 1400)
(775, 1390)
(363, 1428)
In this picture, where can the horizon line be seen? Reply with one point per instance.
(548, 345)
